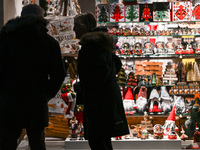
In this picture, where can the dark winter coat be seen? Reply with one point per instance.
(97, 68)
(31, 72)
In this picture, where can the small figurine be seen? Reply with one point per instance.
(142, 32)
(189, 49)
(127, 32)
(158, 132)
(81, 131)
(138, 48)
(160, 47)
(112, 31)
(147, 33)
(183, 136)
(119, 31)
(167, 33)
(148, 48)
(159, 33)
(149, 80)
(180, 49)
(135, 32)
(151, 33)
(170, 48)
(163, 32)
(197, 49)
(142, 82)
(73, 128)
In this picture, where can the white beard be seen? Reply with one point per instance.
(141, 103)
(129, 105)
(166, 105)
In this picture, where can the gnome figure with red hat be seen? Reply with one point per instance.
(129, 103)
(141, 102)
(169, 126)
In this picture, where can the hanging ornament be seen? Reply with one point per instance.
(188, 122)
(195, 107)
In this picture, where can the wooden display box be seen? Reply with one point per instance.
(148, 68)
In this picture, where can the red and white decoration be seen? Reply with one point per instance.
(117, 13)
(169, 125)
(195, 14)
(129, 103)
(181, 11)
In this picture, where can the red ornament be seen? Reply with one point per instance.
(181, 13)
(196, 12)
(117, 14)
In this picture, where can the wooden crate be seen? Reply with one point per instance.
(58, 127)
(148, 68)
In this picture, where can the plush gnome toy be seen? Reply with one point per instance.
(129, 103)
(166, 100)
(141, 102)
(169, 125)
(180, 105)
(154, 100)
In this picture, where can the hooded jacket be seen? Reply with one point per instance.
(31, 72)
(104, 114)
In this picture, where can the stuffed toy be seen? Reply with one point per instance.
(180, 105)
(141, 102)
(166, 100)
(155, 103)
(129, 103)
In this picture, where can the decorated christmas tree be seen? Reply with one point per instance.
(146, 15)
(103, 15)
(122, 77)
(194, 119)
(132, 13)
(161, 15)
(117, 13)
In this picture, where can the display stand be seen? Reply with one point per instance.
(129, 144)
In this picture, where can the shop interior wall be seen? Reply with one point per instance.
(87, 5)
(1, 14)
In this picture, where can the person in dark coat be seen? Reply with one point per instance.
(104, 115)
(31, 74)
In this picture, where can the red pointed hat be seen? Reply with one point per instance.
(171, 117)
(129, 94)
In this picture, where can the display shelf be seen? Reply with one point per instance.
(129, 144)
(160, 56)
(70, 54)
(155, 115)
(153, 36)
(150, 22)
(151, 86)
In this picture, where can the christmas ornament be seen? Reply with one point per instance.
(131, 81)
(146, 11)
(153, 82)
(196, 107)
(131, 13)
(188, 122)
(181, 11)
(117, 13)
(102, 13)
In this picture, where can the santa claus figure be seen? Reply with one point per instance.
(169, 126)
(129, 103)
